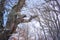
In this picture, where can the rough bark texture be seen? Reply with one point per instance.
(1, 12)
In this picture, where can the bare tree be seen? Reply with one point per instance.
(51, 19)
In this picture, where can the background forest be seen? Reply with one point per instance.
(29, 19)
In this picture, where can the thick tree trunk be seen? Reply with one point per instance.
(1, 12)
